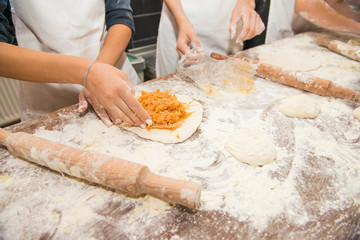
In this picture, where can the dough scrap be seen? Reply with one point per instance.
(252, 145)
(356, 113)
(300, 106)
(180, 134)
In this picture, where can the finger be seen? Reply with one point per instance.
(260, 27)
(132, 108)
(244, 31)
(99, 110)
(182, 47)
(83, 104)
(179, 52)
(194, 41)
(128, 111)
(251, 26)
(119, 116)
(233, 25)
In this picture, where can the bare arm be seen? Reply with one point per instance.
(321, 14)
(115, 43)
(106, 84)
(344, 9)
(114, 46)
(186, 32)
(29, 65)
(243, 11)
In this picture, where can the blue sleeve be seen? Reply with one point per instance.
(119, 12)
(5, 35)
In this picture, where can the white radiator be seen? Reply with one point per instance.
(9, 105)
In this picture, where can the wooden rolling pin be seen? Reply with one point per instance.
(298, 80)
(129, 177)
(342, 48)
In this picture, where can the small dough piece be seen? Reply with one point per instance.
(251, 145)
(180, 134)
(356, 113)
(300, 106)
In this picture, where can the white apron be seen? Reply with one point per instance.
(211, 20)
(279, 21)
(70, 27)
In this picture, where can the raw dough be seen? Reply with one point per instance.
(300, 106)
(180, 134)
(356, 113)
(252, 146)
(294, 61)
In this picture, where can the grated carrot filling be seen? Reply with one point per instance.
(165, 110)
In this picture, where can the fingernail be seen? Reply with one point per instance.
(81, 108)
(107, 122)
(142, 126)
(240, 41)
(149, 122)
(118, 121)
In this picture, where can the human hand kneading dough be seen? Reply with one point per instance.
(110, 93)
(252, 24)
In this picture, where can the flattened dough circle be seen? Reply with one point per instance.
(180, 134)
(294, 61)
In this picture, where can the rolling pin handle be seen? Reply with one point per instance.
(323, 41)
(218, 56)
(183, 192)
(130, 177)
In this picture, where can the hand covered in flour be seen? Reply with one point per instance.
(252, 24)
(110, 93)
(187, 38)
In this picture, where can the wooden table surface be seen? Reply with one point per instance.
(311, 191)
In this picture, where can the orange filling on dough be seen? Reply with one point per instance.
(165, 110)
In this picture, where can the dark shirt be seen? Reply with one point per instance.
(5, 29)
(262, 8)
(117, 12)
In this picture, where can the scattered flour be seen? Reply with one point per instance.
(250, 194)
(356, 113)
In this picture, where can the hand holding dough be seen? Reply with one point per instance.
(180, 134)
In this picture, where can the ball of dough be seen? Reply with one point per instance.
(356, 113)
(252, 146)
(300, 106)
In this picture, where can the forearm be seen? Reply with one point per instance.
(115, 44)
(177, 11)
(35, 66)
(321, 14)
(250, 3)
(344, 9)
